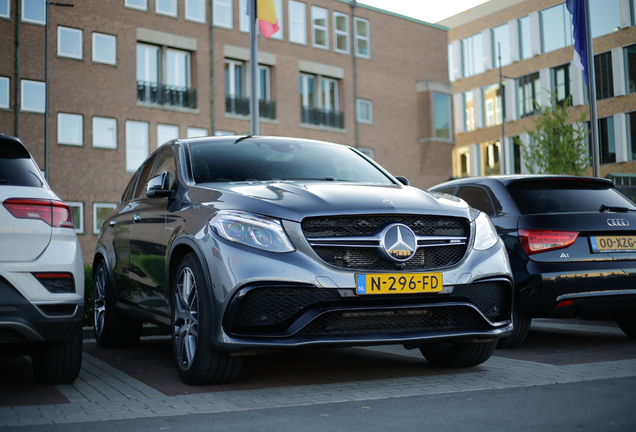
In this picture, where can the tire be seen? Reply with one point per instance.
(519, 333)
(628, 325)
(197, 361)
(111, 328)
(458, 354)
(59, 362)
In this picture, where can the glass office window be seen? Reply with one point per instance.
(607, 140)
(469, 111)
(606, 17)
(561, 83)
(630, 68)
(501, 40)
(528, 95)
(604, 75)
(556, 28)
(525, 44)
(472, 55)
(442, 117)
(631, 135)
(492, 105)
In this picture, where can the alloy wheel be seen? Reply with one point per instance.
(99, 300)
(186, 318)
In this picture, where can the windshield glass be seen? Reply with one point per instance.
(284, 159)
(17, 167)
(556, 196)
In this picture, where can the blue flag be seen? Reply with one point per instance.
(577, 9)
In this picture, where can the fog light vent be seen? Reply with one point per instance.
(57, 282)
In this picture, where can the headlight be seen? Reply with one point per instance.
(252, 230)
(485, 233)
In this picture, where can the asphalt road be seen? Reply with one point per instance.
(569, 375)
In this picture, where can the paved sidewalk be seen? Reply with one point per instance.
(103, 392)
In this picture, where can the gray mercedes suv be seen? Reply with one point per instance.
(243, 245)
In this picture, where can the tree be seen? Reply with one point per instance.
(559, 147)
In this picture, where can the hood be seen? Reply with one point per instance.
(297, 200)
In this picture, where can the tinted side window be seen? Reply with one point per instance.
(167, 164)
(146, 171)
(17, 167)
(128, 193)
(476, 197)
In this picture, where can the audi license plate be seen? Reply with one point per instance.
(398, 283)
(613, 244)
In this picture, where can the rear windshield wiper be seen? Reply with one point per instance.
(615, 209)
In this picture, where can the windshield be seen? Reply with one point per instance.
(17, 167)
(550, 196)
(284, 159)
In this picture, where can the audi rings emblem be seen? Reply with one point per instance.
(618, 222)
(399, 242)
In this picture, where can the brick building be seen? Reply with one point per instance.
(125, 76)
(536, 43)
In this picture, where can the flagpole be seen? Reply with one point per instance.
(253, 69)
(591, 88)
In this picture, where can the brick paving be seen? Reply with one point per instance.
(121, 384)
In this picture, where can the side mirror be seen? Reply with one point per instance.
(158, 186)
(403, 180)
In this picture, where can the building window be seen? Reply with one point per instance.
(166, 133)
(525, 41)
(175, 89)
(195, 132)
(70, 129)
(136, 144)
(235, 100)
(449, 54)
(69, 42)
(104, 48)
(606, 17)
(461, 162)
(631, 135)
(561, 83)
(137, 4)
(604, 76)
(472, 55)
(105, 132)
(244, 18)
(77, 212)
(442, 117)
(630, 68)
(195, 10)
(319, 98)
(148, 63)
(222, 13)
(279, 19)
(492, 105)
(491, 158)
(297, 22)
(100, 213)
(362, 38)
(32, 96)
(556, 28)
(341, 33)
(34, 11)
(319, 27)
(469, 111)
(501, 39)
(5, 8)
(166, 7)
(4, 93)
(364, 111)
(528, 95)
(607, 140)
(178, 68)
(515, 147)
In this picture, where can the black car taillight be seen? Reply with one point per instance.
(537, 241)
(54, 213)
(56, 282)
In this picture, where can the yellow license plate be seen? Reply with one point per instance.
(613, 243)
(398, 283)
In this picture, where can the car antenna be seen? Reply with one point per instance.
(243, 138)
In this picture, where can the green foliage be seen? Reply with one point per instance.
(87, 319)
(559, 147)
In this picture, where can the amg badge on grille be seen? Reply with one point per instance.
(399, 242)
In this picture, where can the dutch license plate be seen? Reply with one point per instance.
(613, 243)
(398, 283)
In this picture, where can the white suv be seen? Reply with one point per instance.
(41, 270)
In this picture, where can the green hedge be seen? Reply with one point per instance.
(87, 319)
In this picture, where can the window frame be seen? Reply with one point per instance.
(627, 68)
(80, 205)
(144, 147)
(497, 105)
(80, 53)
(315, 28)
(165, 12)
(536, 99)
(568, 37)
(357, 37)
(448, 116)
(192, 130)
(602, 73)
(147, 64)
(495, 50)
(232, 76)
(132, 4)
(164, 129)
(522, 40)
(42, 86)
(113, 144)
(101, 205)
(295, 35)
(105, 36)
(567, 68)
(359, 103)
(7, 12)
(468, 124)
(468, 52)
(229, 7)
(31, 20)
(6, 83)
(268, 82)
(341, 33)
(304, 94)
(334, 106)
(172, 69)
(78, 120)
(188, 11)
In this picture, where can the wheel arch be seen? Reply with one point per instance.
(180, 248)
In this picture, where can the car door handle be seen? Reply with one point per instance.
(136, 218)
(112, 223)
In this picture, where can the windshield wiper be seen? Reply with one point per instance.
(313, 179)
(615, 209)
